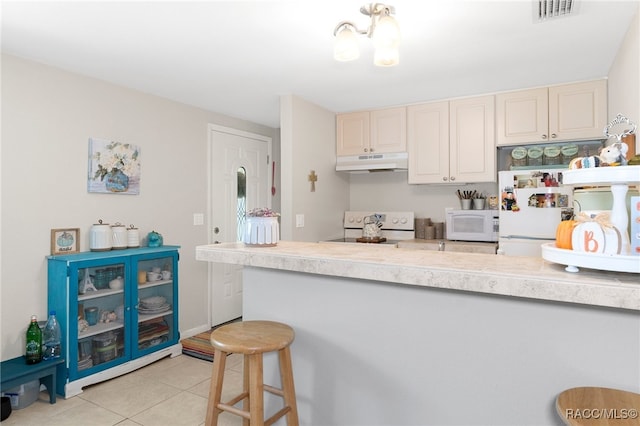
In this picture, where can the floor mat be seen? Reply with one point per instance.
(199, 346)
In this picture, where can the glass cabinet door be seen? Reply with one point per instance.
(101, 311)
(154, 313)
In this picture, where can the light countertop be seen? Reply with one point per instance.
(525, 277)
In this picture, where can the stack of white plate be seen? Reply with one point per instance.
(153, 305)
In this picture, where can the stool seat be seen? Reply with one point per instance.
(252, 339)
(586, 406)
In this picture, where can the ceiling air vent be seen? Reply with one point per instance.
(547, 9)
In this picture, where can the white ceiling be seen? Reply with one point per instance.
(238, 57)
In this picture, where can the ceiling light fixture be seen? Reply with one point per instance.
(383, 31)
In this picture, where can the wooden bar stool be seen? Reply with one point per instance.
(252, 339)
(598, 406)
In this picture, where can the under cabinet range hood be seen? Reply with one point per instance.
(372, 162)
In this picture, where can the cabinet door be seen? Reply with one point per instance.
(352, 133)
(522, 117)
(101, 316)
(472, 140)
(578, 111)
(155, 315)
(389, 130)
(428, 142)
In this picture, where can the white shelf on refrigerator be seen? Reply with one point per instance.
(605, 262)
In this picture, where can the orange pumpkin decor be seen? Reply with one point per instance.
(564, 233)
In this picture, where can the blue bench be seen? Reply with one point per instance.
(15, 372)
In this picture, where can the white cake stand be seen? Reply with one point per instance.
(619, 178)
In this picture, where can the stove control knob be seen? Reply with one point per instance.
(394, 220)
(403, 220)
(359, 219)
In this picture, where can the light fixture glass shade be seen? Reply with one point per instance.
(386, 33)
(386, 57)
(346, 46)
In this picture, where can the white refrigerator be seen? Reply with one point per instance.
(532, 203)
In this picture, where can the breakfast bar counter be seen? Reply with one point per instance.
(391, 336)
(527, 277)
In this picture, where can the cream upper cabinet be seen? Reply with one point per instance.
(428, 142)
(559, 113)
(353, 133)
(452, 142)
(522, 116)
(378, 131)
(472, 140)
(578, 111)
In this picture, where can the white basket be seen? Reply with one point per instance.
(262, 231)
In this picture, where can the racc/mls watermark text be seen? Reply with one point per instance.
(601, 413)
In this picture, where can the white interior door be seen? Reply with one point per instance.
(238, 181)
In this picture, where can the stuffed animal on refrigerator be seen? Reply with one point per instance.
(615, 154)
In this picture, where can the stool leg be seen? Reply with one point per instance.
(288, 388)
(246, 403)
(215, 390)
(256, 390)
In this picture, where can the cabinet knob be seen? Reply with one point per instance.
(366, 150)
(553, 136)
(371, 149)
(216, 230)
(544, 136)
(444, 178)
(452, 178)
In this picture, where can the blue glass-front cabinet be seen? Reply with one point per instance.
(110, 326)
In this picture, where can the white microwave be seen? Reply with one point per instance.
(472, 225)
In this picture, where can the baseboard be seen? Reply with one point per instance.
(193, 331)
(202, 328)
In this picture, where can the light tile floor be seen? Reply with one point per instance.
(171, 392)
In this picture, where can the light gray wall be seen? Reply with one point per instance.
(624, 78)
(48, 115)
(309, 143)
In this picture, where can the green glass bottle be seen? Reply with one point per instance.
(34, 342)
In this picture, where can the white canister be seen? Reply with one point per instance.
(100, 238)
(133, 237)
(119, 236)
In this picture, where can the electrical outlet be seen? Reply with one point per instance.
(299, 221)
(198, 219)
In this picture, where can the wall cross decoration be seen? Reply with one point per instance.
(313, 178)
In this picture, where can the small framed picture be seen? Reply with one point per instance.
(65, 241)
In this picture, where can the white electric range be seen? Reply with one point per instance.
(395, 227)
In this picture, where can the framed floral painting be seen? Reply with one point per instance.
(114, 167)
